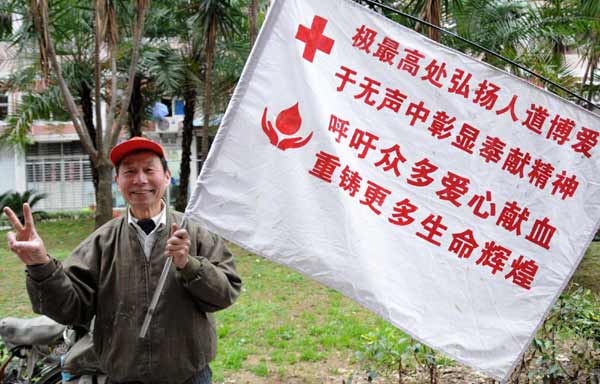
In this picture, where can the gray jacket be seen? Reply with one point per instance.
(108, 276)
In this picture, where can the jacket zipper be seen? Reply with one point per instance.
(148, 277)
(147, 294)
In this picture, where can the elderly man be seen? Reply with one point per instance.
(113, 273)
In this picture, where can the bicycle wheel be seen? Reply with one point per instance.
(53, 376)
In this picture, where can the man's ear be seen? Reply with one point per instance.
(116, 177)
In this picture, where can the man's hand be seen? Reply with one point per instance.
(24, 241)
(178, 246)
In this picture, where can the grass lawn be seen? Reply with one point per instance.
(284, 328)
(588, 273)
(283, 325)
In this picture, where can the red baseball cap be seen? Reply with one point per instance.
(134, 144)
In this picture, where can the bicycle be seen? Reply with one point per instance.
(35, 347)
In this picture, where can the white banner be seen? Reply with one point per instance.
(445, 195)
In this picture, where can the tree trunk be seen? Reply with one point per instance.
(99, 150)
(136, 108)
(210, 50)
(186, 148)
(586, 73)
(591, 92)
(87, 109)
(252, 25)
(104, 194)
(400, 380)
(433, 13)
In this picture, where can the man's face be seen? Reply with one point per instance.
(142, 180)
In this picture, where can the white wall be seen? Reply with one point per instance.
(7, 170)
(65, 196)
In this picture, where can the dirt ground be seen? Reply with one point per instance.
(342, 371)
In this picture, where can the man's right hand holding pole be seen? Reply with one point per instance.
(24, 241)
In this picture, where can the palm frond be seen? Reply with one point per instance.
(165, 67)
(36, 198)
(223, 13)
(33, 106)
(15, 200)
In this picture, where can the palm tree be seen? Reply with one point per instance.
(34, 105)
(430, 11)
(46, 101)
(196, 52)
(216, 18)
(174, 69)
(436, 12)
(533, 34)
(508, 27)
(64, 33)
(252, 20)
(173, 64)
(160, 71)
(589, 34)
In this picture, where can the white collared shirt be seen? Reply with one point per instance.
(148, 240)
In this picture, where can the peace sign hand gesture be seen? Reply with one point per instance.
(25, 241)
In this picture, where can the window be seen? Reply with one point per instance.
(57, 162)
(34, 171)
(3, 106)
(179, 107)
(87, 172)
(52, 172)
(169, 104)
(44, 149)
(175, 106)
(72, 170)
(72, 148)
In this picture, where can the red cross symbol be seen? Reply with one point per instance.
(314, 38)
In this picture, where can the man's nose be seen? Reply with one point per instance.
(140, 177)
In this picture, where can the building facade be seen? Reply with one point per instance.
(56, 165)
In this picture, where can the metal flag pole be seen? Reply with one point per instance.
(497, 55)
(158, 291)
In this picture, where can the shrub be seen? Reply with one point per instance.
(566, 349)
(387, 352)
(15, 200)
(383, 352)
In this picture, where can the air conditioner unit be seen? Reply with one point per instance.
(169, 124)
